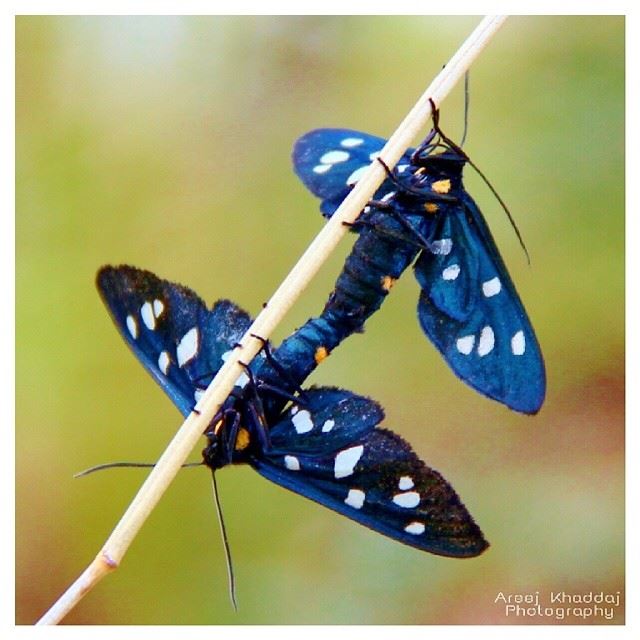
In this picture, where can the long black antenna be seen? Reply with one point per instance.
(113, 465)
(225, 542)
(466, 108)
(435, 114)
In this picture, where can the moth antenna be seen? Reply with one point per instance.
(506, 209)
(225, 541)
(113, 465)
(466, 108)
(458, 149)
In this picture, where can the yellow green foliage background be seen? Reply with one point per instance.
(164, 142)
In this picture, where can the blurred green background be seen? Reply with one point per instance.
(164, 142)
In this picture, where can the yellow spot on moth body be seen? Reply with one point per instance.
(441, 186)
(387, 282)
(431, 207)
(242, 440)
(320, 354)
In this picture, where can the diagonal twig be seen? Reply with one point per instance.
(282, 300)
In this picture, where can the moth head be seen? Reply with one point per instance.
(215, 455)
(449, 163)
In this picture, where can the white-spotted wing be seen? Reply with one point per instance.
(330, 451)
(169, 328)
(471, 311)
(330, 162)
(326, 447)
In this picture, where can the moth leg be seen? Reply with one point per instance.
(261, 430)
(425, 146)
(280, 370)
(356, 224)
(255, 384)
(230, 441)
(282, 393)
(387, 207)
(422, 241)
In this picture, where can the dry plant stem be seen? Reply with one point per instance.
(282, 300)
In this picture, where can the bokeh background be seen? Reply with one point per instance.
(164, 142)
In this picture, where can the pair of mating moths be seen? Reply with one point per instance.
(325, 443)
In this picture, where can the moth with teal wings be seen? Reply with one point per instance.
(468, 305)
(323, 443)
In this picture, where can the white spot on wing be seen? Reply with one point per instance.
(322, 168)
(188, 346)
(132, 325)
(328, 425)
(294, 409)
(355, 498)
(242, 380)
(351, 142)
(387, 196)
(405, 482)
(163, 362)
(402, 167)
(407, 500)
(292, 463)
(486, 342)
(346, 461)
(332, 157)
(441, 247)
(148, 318)
(415, 528)
(356, 175)
(465, 344)
(197, 394)
(491, 287)
(451, 272)
(302, 421)
(158, 308)
(518, 343)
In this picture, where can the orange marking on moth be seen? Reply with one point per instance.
(387, 282)
(441, 186)
(320, 354)
(243, 439)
